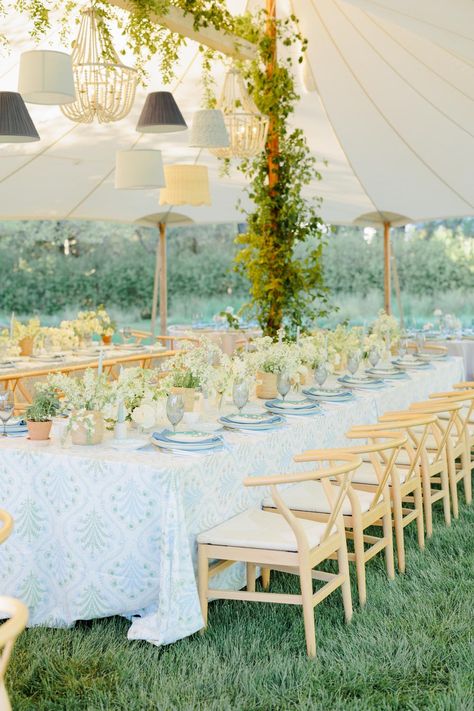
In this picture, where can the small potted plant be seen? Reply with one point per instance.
(40, 413)
(107, 325)
(185, 383)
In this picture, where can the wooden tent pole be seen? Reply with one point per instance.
(156, 280)
(163, 281)
(386, 278)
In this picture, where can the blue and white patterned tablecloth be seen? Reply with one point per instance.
(100, 532)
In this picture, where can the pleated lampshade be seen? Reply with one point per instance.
(208, 130)
(46, 77)
(160, 114)
(139, 170)
(186, 185)
(16, 125)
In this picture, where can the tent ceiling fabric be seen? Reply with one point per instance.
(392, 113)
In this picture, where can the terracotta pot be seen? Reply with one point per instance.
(266, 386)
(106, 340)
(26, 346)
(188, 395)
(81, 435)
(39, 430)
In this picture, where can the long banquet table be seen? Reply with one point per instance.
(100, 532)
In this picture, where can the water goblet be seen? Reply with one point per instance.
(403, 347)
(6, 408)
(353, 362)
(174, 409)
(320, 374)
(240, 394)
(283, 384)
(126, 333)
(420, 341)
(374, 356)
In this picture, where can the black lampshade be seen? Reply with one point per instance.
(16, 125)
(160, 114)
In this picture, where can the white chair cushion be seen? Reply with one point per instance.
(365, 474)
(310, 496)
(261, 529)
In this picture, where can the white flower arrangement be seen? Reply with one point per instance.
(452, 323)
(83, 396)
(194, 367)
(271, 357)
(386, 327)
(86, 324)
(344, 340)
(8, 346)
(135, 389)
(26, 330)
(62, 338)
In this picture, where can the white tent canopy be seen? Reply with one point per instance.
(392, 113)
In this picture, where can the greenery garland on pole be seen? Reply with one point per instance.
(281, 252)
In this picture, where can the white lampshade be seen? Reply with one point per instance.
(208, 130)
(186, 185)
(46, 77)
(139, 170)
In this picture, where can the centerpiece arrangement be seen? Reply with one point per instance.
(39, 415)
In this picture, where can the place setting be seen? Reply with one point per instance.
(326, 394)
(251, 421)
(359, 382)
(292, 407)
(192, 441)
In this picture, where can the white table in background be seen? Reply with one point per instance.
(101, 532)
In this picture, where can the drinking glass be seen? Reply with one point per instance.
(403, 347)
(174, 409)
(283, 384)
(320, 374)
(353, 362)
(420, 341)
(374, 356)
(6, 408)
(240, 394)
(126, 333)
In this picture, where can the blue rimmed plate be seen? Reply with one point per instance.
(270, 422)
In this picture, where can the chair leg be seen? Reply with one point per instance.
(453, 488)
(359, 554)
(265, 578)
(467, 465)
(387, 532)
(343, 563)
(306, 583)
(251, 570)
(398, 525)
(427, 505)
(203, 583)
(446, 503)
(419, 519)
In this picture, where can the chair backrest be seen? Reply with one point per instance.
(341, 463)
(7, 525)
(382, 448)
(429, 347)
(17, 614)
(444, 425)
(415, 426)
(465, 414)
(464, 385)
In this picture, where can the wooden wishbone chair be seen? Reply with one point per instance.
(360, 509)
(450, 436)
(461, 442)
(7, 526)
(17, 614)
(405, 480)
(281, 541)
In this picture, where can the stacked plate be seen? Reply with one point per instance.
(387, 373)
(16, 427)
(188, 441)
(252, 421)
(410, 362)
(363, 382)
(428, 357)
(292, 407)
(329, 394)
(49, 358)
(7, 365)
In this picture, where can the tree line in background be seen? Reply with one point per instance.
(48, 266)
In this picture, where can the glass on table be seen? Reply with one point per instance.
(174, 409)
(420, 341)
(7, 405)
(353, 362)
(126, 333)
(240, 394)
(283, 383)
(374, 356)
(321, 374)
(403, 346)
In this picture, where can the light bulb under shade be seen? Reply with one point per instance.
(46, 78)
(160, 114)
(208, 130)
(186, 185)
(16, 125)
(139, 170)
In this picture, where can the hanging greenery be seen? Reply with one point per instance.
(281, 252)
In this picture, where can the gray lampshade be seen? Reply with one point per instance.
(160, 114)
(16, 125)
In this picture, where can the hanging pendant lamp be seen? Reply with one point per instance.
(16, 125)
(186, 185)
(139, 170)
(46, 77)
(160, 114)
(246, 126)
(208, 130)
(105, 88)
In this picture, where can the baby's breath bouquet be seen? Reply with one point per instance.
(61, 339)
(386, 327)
(26, 330)
(8, 346)
(83, 397)
(344, 340)
(271, 357)
(140, 394)
(86, 324)
(194, 366)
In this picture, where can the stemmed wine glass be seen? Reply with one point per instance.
(420, 341)
(402, 347)
(6, 408)
(320, 374)
(283, 383)
(353, 362)
(174, 409)
(240, 394)
(126, 333)
(374, 356)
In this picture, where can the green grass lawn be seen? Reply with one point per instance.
(411, 648)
